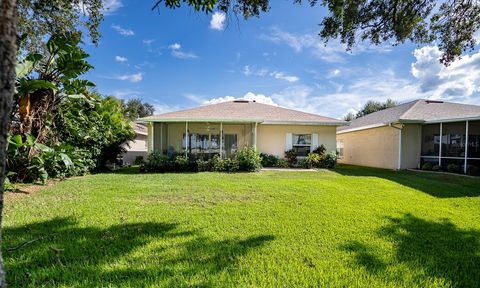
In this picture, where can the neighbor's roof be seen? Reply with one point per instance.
(244, 111)
(418, 111)
(139, 128)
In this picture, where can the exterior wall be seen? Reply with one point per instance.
(271, 138)
(411, 146)
(376, 147)
(138, 147)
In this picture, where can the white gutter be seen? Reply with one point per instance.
(333, 123)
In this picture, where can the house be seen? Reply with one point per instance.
(411, 134)
(224, 128)
(138, 146)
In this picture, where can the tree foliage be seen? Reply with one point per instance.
(246, 8)
(59, 127)
(374, 106)
(450, 24)
(135, 108)
(41, 19)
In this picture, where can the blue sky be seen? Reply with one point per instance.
(177, 59)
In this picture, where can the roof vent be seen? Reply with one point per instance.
(240, 101)
(433, 101)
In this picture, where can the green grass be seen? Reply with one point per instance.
(354, 227)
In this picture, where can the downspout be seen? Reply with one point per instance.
(399, 162)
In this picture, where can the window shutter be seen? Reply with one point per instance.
(314, 141)
(288, 141)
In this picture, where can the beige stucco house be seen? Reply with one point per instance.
(408, 135)
(224, 128)
(138, 146)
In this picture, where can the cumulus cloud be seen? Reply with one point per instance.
(137, 77)
(260, 98)
(121, 59)
(122, 31)
(218, 21)
(177, 52)
(457, 82)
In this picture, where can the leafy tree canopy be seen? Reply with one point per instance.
(450, 24)
(41, 19)
(135, 108)
(370, 107)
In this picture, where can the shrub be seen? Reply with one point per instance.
(436, 168)
(204, 165)
(232, 165)
(314, 160)
(138, 160)
(181, 164)
(156, 162)
(269, 160)
(320, 150)
(473, 170)
(248, 159)
(291, 156)
(224, 165)
(453, 168)
(330, 160)
(282, 163)
(427, 166)
(301, 163)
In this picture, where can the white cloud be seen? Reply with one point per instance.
(121, 59)
(148, 42)
(137, 77)
(334, 73)
(175, 46)
(161, 108)
(184, 55)
(260, 98)
(177, 52)
(458, 82)
(262, 72)
(122, 31)
(218, 21)
(125, 93)
(333, 51)
(111, 6)
(283, 76)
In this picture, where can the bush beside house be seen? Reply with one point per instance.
(246, 159)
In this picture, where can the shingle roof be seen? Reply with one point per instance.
(420, 111)
(139, 128)
(244, 111)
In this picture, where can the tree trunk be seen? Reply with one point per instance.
(8, 51)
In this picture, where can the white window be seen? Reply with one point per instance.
(340, 148)
(302, 144)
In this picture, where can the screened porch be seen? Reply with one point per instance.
(202, 139)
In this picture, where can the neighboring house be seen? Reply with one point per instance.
(413, 133)
(138, 146)
(224, 128)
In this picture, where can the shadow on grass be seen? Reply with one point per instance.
(65, 254)
(437, 185)
(430, 249)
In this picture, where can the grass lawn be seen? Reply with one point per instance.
(354, 227)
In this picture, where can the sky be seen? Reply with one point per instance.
(178, 59)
